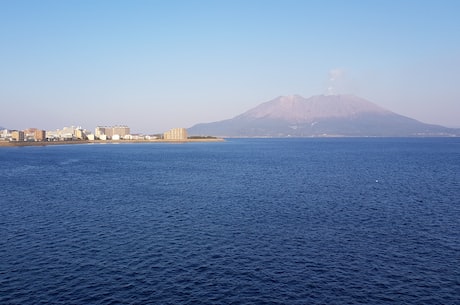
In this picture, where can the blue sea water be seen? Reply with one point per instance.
(246, 221)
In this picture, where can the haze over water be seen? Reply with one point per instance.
(262, 221)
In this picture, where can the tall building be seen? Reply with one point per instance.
(122, 131)
(176, 134)
(29, 134)
(110, 132)
(100, 131)
(80, 134)
(39, 135)
(17, 135)
(4, 133)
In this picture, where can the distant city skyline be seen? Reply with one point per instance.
(101, 133)
(156, 65)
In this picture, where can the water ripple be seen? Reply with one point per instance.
(240, 222)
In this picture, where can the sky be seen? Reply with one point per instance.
(155, 65)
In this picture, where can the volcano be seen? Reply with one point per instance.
(320, 116)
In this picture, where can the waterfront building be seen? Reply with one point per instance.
(52, 135)
(17, 135)
(80, 134)
(121, 131)
(99, 131)
(66, 134)
(29, 134)
(113, 132)
(39, 135)
(5, 134)
(176, 134)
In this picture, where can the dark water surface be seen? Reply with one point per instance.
(266, 221)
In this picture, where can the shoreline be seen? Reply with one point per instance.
(82, 142)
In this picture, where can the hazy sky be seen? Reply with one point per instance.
(155, 65)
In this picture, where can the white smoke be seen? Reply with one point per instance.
(336, 82)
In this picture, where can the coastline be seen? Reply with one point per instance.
(81, 142)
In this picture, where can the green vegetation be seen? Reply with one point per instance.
(201, 137)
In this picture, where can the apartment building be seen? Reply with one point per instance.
(118, 132)
(176, 134)
(39, 135)
(17, 135)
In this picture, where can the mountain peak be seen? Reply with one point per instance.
(297, 109)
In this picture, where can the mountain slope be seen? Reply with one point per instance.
(321, 115)
(296, 109)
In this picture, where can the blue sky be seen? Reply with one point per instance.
(155, 65)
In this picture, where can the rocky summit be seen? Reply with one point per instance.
(320, 115)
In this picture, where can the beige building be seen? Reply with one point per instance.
(176, 134)
(100, 131)
(80, 134)
(119, 131)
(17, 135)
(39, 135)
(122, 131)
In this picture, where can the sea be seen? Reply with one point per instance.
(245, 221)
